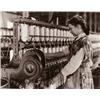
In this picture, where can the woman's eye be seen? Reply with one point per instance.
(70, 29)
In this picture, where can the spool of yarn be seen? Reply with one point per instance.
(37, 33)
(42, 33)
(24, 32)
(47, 34)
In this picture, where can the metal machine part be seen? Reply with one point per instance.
(38, 67)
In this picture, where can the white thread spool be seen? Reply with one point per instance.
(24, 32)
(51, 34)
(42, 33)
(47, 34)
(45, 50)
(61, 35)
(55, 34)
(53, 50)
(31, 31)
(67, 36)
(37, 33)
(60, 48)
(19, 31)
(50, 50)
(64, 35)
(58, 34)
(11, 33)
(57, 49)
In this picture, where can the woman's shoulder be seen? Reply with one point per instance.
(87, 46)
(81, 42)
(77, 45)
(85, 41)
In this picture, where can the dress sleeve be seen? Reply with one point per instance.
(74, 63)
(70, 68)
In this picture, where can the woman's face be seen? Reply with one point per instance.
(74, 29)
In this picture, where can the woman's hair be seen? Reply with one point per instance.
(75, 20)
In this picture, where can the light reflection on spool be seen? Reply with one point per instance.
(45, 50)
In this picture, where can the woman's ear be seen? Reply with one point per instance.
(79, 26)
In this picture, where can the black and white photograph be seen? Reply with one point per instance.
(50, 49)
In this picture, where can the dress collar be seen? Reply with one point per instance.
(81, 35)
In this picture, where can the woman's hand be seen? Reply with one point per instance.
(57, 81)
(95, 66)
(66, 50)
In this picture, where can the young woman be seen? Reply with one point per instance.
(77, 73)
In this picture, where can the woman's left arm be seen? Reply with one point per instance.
(69, 69)
(74, 63)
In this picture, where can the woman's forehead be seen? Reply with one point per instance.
(71, 26)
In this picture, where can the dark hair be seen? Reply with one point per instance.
(75, 20)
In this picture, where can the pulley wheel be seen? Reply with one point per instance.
(31, 67)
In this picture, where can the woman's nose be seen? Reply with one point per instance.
(70, 31)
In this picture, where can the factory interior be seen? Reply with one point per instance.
(32, 44)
